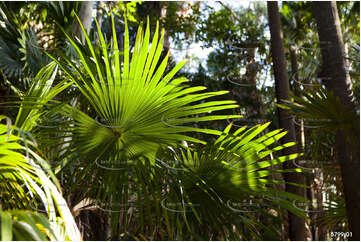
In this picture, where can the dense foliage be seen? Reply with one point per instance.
(106, 134)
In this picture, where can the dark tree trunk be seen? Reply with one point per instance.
(4, 93)
(299, 129)
(296, 225)
(334, 65)
(300, 134)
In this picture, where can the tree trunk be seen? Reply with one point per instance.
(299, 129)
(252, 94)
(99, 19)
(296, 225)
(257, 108)
(300, 135)
(4, 93)
(334, 64)
(85, 16)
(163, 15)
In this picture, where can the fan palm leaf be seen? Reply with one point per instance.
(323, 110)
(189, 192)
(38, 96)
(136, 105)
(25, 184)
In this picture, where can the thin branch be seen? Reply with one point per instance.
(230, 10)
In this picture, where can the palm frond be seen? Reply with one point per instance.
(227, 180)
(25, 225)
(25, 184)
(321, 109)
(38, 97)
(134, 100)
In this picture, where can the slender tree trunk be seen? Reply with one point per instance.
(296, 225)
(4, 93)
(99, 19)
(85, 16)
(300, 134)
(299, 129)
(253, 94)
(163, 15)
(99, 13)
(334, 64)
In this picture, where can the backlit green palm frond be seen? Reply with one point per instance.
(323, 110)
(134, 100)
(25, 184)
(38, 96)
(231, 178)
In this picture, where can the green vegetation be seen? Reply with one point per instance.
(106, 135)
